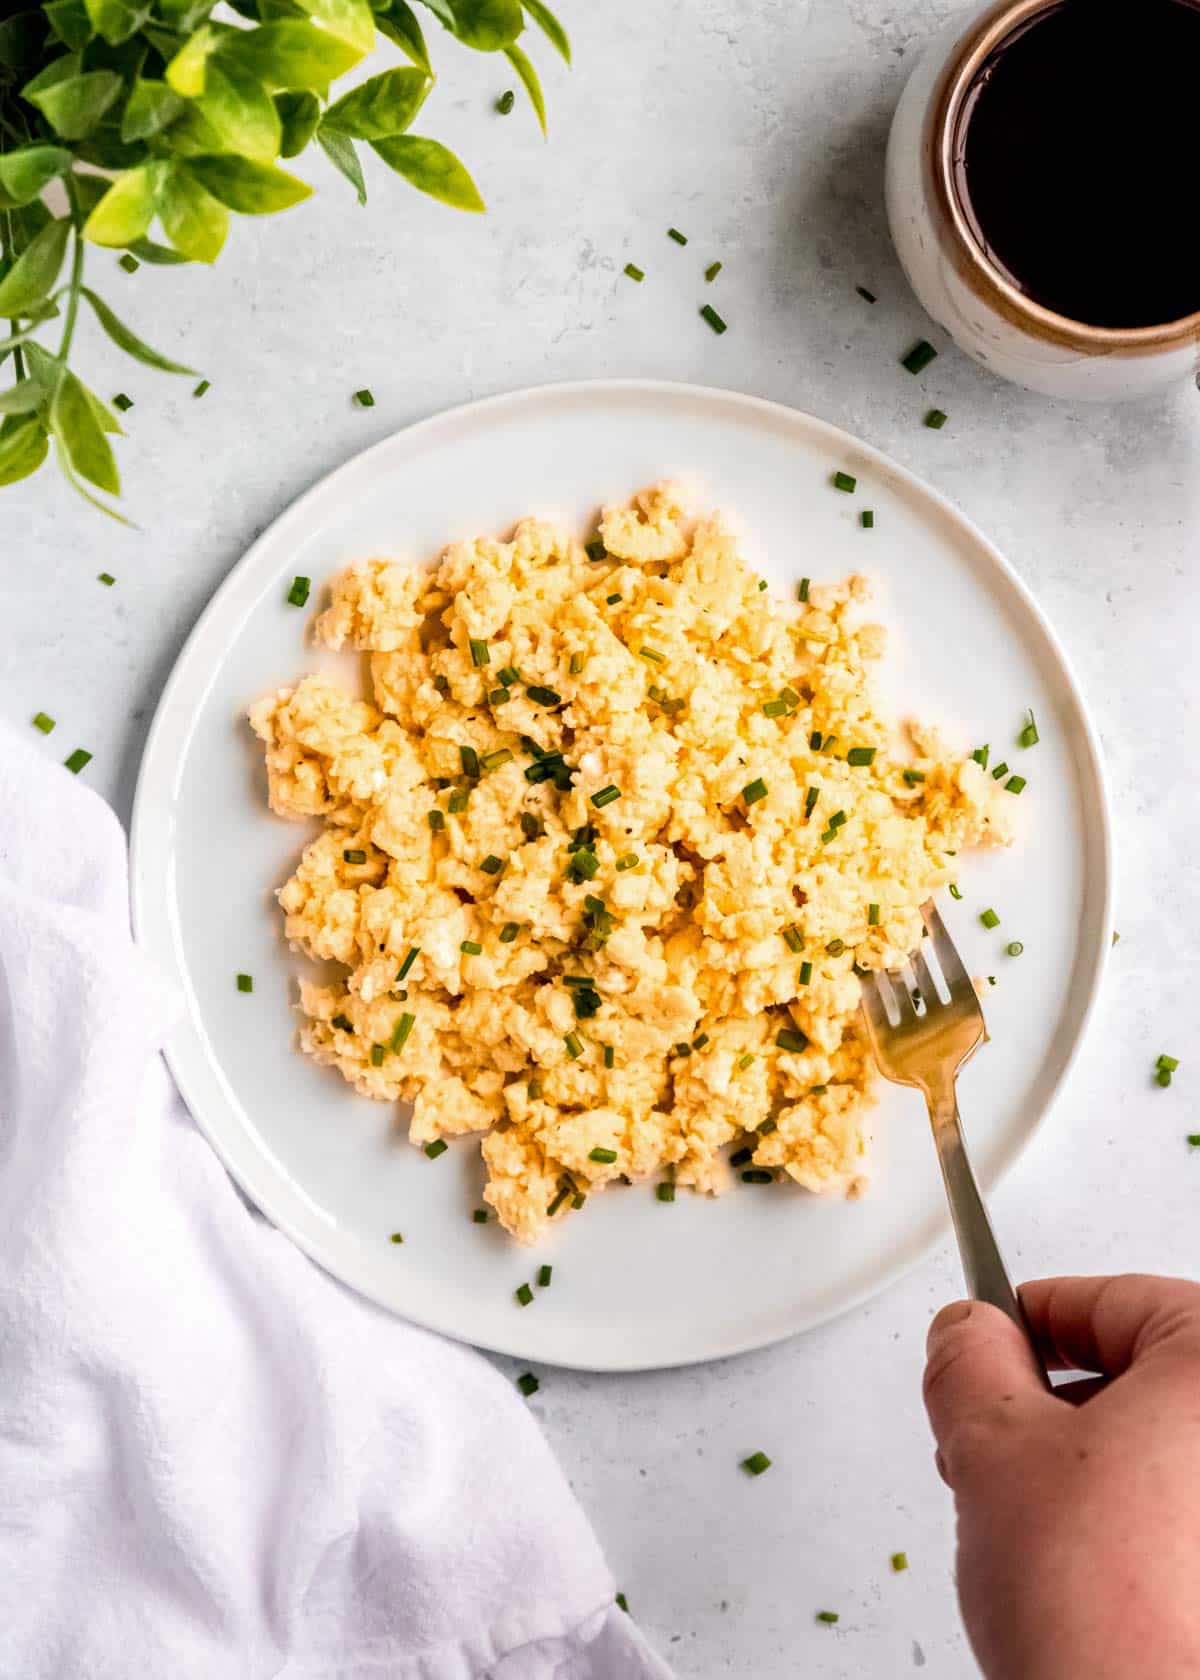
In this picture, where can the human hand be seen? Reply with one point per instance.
(1079, 1517)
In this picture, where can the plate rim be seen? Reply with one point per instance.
(150, 772)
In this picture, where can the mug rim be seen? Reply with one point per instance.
(981, 273)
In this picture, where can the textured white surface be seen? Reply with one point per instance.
(756, 126)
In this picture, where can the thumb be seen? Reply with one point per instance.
(982, 1386)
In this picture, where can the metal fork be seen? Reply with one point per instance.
(925, 1045)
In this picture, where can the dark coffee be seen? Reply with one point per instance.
(1077, 157)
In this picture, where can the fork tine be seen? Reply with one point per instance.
(925, 980)
(948, 958)
(874, 1007)
(902, 992)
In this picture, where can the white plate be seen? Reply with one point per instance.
(636, 1283)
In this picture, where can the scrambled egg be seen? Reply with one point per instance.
(603, 852)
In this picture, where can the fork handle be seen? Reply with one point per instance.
(986, 1274)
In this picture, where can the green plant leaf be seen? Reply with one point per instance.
(433, 168)
(22, 398)
(290, 54)
(188, 70)
(75, 424)
(253, 189)
(549, 26)
(399, 24)
(107, 419)
(240, 111)
(529, 80)
(192, 136)
(487, 25)
(299, 114)
(31, 278)
(75, 105)
(116, 20)
(59, 69)
(128, 341)
(89, 190)
(151, 107)
(145, 250)
(26, 171)
(26, 334)
(196, 224)
(339, 149)
(350, 20)
(23, 448)
(70, 22)
(127, 208)
(383, 106)
(442, 12)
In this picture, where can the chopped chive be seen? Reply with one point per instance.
(105, 578)
(509, 932)
(829, 1617)
(469, 760)
(791, 1039)
(122, 403)
(867, 519)
(665, 1192)
(523, 1295)
(605, 1157)
(298, 594)
(610, 1055)
(531, 825)
(622, 1602)
(757, 1175)
(991, 979)
(1163, 1076)
(754, 791)
(990, 919)
(129, 264)
(354, 856)
(481, 1216)
(43, 721)
(844, 481)
(999, 773)
(899, 1562)
(1169, 1063)
(790, 698)
(410, 958)
(605, 796)
(442, 684)
(203, 387)
(914, 777)
(1194, 1139)
(1029, 736)
(835, 947)
(683, 1048)
(534, 1090)
(919, 357)
(756, 1463)
(493, 760)
(595, 550)
(837, 820)
(713, 319)
(774, 708)
(814, 741)
(802, 589)
(864, 293)
(766, 1126)
(872, 915)
(544, 696)
(629, 860)
(829, 744)
(438, 1147)
(508, 676)
(700, 1040)
(77, 760)
(1015, 948)
(634, 272)
(578, 1199)
(492, 865)
(364, 398)
(935, 419)
(829, 834)
(744, 1062)
(543, 1276)
(342, 1023)
(245, 982)
(954, 890)
(806, 969)
(711, 272)
(818, 1090)
(861, 755)
(470, 948)
(611, 600)
(436, 819)
(1014, 784)
(980, 755)
(810, 801)
(481, 654)
(506, 102)
(457, 802)
(576, 665)
(792, 938)
(762, 586)
(740, 1157)
(651, 654)
(574, 1046)
(527, 1382)
(679, 238)
(378, 1052)
(499, 696)
(400, 1037)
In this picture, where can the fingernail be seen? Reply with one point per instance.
(949, 1316)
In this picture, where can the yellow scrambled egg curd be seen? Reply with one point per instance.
(601, 855)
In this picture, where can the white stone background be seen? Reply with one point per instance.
(758, 127)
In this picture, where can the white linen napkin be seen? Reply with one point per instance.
(214, 1461)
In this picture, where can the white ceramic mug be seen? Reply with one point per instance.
(951, 273)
